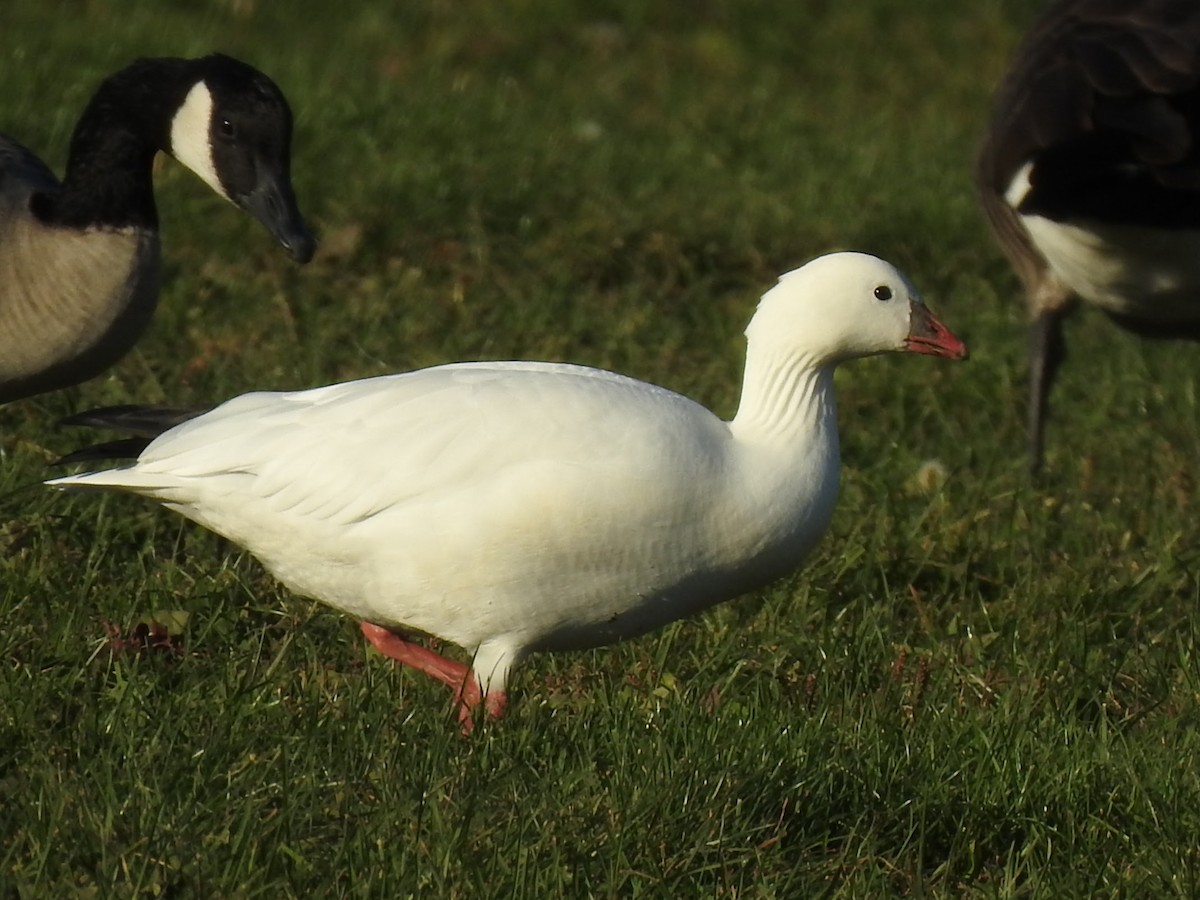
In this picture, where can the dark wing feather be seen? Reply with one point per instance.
(139, 421)
(19, 164)
(126, 448)
(144, 423)
(1104, 99)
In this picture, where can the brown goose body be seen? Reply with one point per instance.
(72, 326)
(1090, 174)
(80, 261)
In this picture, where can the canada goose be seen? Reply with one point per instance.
(519, 506)
(80, 260)
(1090, 174)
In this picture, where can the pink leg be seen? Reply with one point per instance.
(467, 693)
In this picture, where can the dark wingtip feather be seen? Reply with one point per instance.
(143, 423)
(126, 448)
(139, 421)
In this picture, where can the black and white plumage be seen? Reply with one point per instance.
(80, 259)
(1090, 173)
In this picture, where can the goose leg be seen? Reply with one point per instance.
(467, 694)
(1047, 350)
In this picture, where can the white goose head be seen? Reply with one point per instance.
(843, 306)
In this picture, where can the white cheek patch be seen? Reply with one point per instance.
(190, 142)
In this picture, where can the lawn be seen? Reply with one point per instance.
(977, 686)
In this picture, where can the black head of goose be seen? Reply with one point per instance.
(80, 260)
(1090, 174)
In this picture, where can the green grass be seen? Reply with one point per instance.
(983, 689)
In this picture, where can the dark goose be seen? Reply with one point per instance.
(1090, 174)
(80, 260)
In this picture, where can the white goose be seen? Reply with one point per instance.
(511, 507)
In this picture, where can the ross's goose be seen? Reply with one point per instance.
(1090, 173)
(80, 260)
(510, 507)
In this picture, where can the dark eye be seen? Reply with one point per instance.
(883, 292)
(226, 128)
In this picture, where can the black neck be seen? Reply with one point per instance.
(109, 178)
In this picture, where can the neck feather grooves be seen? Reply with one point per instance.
(783, 396)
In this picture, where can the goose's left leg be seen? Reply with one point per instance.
(467, 692)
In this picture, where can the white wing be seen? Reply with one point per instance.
(346, 452)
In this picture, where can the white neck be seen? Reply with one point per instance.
(784, 396)
(787, 463)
